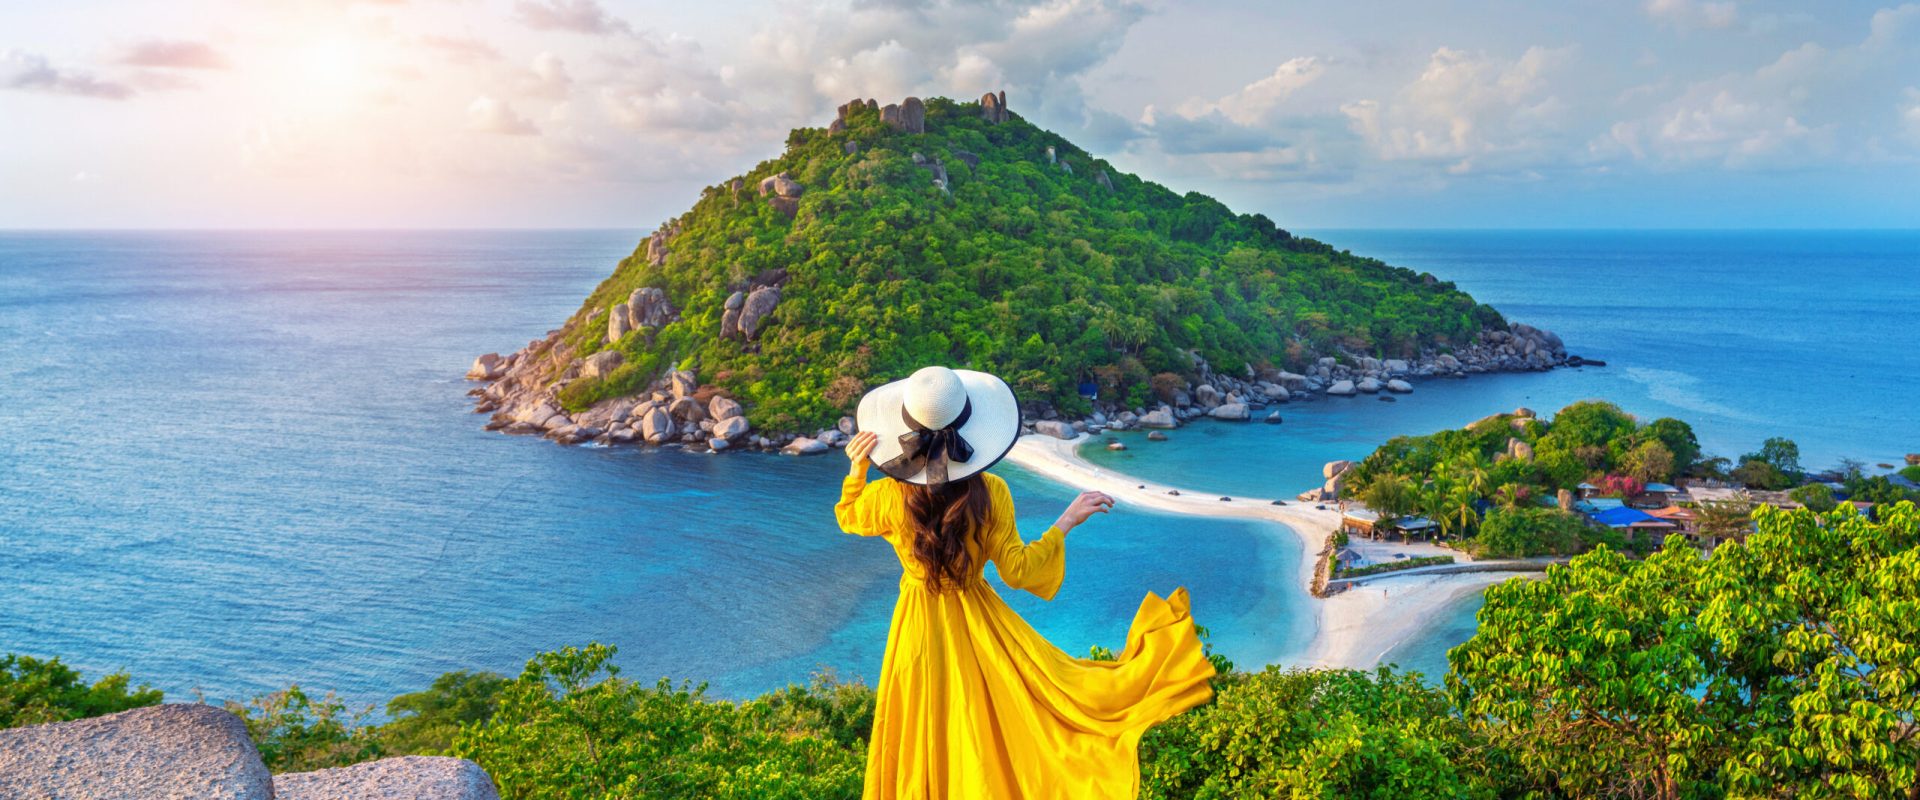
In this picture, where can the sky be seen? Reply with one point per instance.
(615, 113)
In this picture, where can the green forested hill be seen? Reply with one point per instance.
(1048, 270)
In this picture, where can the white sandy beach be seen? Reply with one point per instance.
(1352, 629)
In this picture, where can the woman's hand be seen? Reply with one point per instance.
(1082, 507)
(860, 452)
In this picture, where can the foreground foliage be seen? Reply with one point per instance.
(297, 732)
(1317, 734)
(1784, 666)
(35, 691)
(570, 727)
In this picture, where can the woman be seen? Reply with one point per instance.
(973, 703)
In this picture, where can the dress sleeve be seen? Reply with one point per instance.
(1037, 567)
(860, 511)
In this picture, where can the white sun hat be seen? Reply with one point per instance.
(940, 425)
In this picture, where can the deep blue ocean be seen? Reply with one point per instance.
(234, 461)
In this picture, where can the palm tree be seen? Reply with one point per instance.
(1473, 473)
(1460, 512)
(1512, 496)
(1432, 504)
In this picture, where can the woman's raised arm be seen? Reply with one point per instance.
(857, 512)
(1041, 565)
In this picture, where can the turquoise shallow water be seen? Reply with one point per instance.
(230, 462)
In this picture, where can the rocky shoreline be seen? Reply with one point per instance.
(1214, 395)
(677, 410)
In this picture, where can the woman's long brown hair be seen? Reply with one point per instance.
(943, 518)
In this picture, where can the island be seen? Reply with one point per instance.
(944, 232)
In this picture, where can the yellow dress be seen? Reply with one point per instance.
(974, 703)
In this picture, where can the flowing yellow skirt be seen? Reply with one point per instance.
(974, 703)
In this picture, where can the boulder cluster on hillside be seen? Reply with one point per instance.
(189, 751)
(782, 192)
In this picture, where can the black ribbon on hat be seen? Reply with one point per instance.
(922, 447)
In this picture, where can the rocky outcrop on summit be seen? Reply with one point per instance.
(908, 117)
(178, 751)
(993, 108)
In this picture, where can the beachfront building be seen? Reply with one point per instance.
(1635, 524)
(1685, 520)
(1363, 522)
(1718, 494)
(1359, 522)
(1655, 495)
(1411, 528)
(1346, 558)
(1597, 505)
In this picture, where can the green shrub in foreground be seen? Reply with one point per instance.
(1787, 665)
(1318, 734)
(571, 727)
(33, 691)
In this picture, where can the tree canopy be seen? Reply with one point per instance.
(1784, 666)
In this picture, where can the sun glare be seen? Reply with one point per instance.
(331, 70)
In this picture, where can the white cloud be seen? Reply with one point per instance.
(574, 16)
(1692, 14)
(1811, 104)
(812, 57)
(1910, 113)
(547, 78)
(1892, 27)
(1253, 103)
(173, 53)
(1464, 105)
(488, 115)
(666, 110)
(30, 72)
